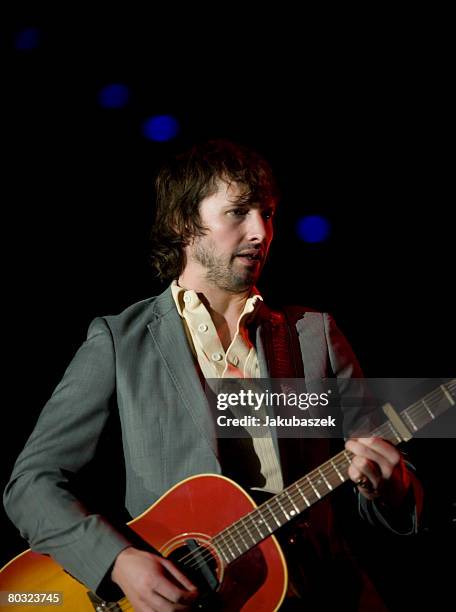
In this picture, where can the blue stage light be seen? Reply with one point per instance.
(313, 228)
(160, 128)
(115, 95)
(27, 39)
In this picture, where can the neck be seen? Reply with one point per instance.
(218, 301)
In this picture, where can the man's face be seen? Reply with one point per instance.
(233, 251)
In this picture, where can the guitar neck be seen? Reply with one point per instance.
(251, 529)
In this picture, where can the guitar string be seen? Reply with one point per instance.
(296, 496)
(417, 407)
(420, 405)
(423, 406)
(414, 407)
(248, 524)
(384, 430)
(241, 523)
(430, 397)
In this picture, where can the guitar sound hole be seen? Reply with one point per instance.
(199, 564)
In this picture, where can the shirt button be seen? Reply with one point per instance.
(235, 360)
(216, 356)
(202, 327)
(187, 298)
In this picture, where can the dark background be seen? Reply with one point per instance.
(355, 121)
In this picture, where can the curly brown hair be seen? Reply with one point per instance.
(189, 178)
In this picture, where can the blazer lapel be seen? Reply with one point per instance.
(289, 450)
(260, 338)
(171, 342)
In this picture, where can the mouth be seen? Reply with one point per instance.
(252, 256)
(249, 262)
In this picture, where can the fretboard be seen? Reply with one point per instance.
(254, 527)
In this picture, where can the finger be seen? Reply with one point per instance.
(360, 449)
(367, 488)
(172, 594)
(383, 448)
(161, 604)
(177, 574)
(361, 467)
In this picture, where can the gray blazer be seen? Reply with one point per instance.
(141, 358)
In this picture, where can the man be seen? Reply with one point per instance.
(213, 230)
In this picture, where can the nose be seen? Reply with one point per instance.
(259, 228)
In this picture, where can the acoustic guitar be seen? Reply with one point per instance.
(213, 530)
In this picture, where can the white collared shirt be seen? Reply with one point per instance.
(238, 361)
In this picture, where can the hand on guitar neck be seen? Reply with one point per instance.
(379, 470)
(151, 582)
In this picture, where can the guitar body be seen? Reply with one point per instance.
(195, 510)
(236, 564)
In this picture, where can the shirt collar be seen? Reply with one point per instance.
(251, 305)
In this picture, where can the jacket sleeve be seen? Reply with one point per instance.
(38, 498)
(345, 367)
(403, 522)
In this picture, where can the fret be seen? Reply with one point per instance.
(328, 484)
(267, 525)
(222, 551)
(228, 546)
(282, 508)
(239, 531)
(242, 538)
(347, 456)
(232, 542)
(224, 545)
(337, 471)
(268, 506)
(258, 529)
(409, 419)
(254, 540)
(296, 509)
(428, 409)
(263, 520)
(315, 490)
(302, 494)
(220, 547)
(337, 476)
(237, 545)
(394, 432)
(220, 540)
(232, 552)
(450, 399)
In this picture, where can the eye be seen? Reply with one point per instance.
(269, 213)
(238, 212)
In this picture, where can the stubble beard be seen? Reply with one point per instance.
(220, 269)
